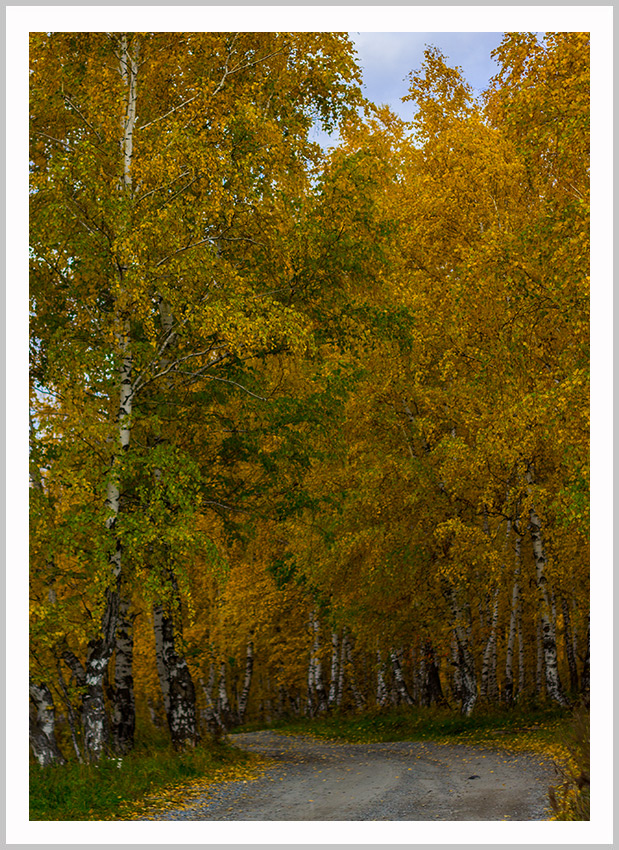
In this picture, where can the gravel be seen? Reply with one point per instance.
(312, 780)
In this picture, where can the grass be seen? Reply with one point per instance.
(152, 777)
(541, 730)
(155, 778)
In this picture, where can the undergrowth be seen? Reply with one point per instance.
(152, 776)
(570, 799)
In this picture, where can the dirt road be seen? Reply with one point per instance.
(320, 781)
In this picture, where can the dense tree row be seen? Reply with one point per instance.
(308, 431)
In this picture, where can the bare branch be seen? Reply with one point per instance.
(164, 186)
(53, 139)
(73, 106)
(139, 384)
(234, 383)
(181, 250)
(170, 112)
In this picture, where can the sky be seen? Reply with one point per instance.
(387, 58)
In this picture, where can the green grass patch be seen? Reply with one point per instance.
(535, 730)
(152, 777)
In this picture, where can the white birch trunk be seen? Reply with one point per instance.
(334, 670)
(123, 716)
(342, 670)
(456, 677)
(513, 627)
(211, 715)
(316, 694)
(43, 727)
(399, 678)
(463, 657)
(249, 667)
(382, 697)
(96, 727)
(176, 683)
(223, 703)
(554, 688)
(489, 686)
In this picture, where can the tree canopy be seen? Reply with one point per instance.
(309, 431)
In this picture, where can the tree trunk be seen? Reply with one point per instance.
(467, 679)
(554, 689)
(214, 722)
(100, 649)
(334, 670)
(73, 725)
(539, 667)
(43, 727)
(382, 697)
(569, 646)
(223, 703)
(176, 684)
(342, 670)
(514, 623)
(91, 678)
(123, 702)
(584, 677)
(249, 667)
(522, 669)
(489, 686)
(399, 678)
(317, 701)
(430, 690)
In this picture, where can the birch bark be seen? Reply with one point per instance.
(467, 678)
(213, 720)
(514, 627)
(96, 726)
(316, 694)
(334, 670)
(399, 677)
(176, 683)
(123, 703)
(554, 688)
(223, 703)
(382, 697)
(43, 727)
(489, 685)
(249, 667)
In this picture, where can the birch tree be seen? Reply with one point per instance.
(164, 168)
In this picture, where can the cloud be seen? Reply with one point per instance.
(387, 58)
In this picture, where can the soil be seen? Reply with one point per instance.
(311, 780)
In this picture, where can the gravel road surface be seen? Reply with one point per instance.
(403, 781)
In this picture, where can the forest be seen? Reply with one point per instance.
(309, 429)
